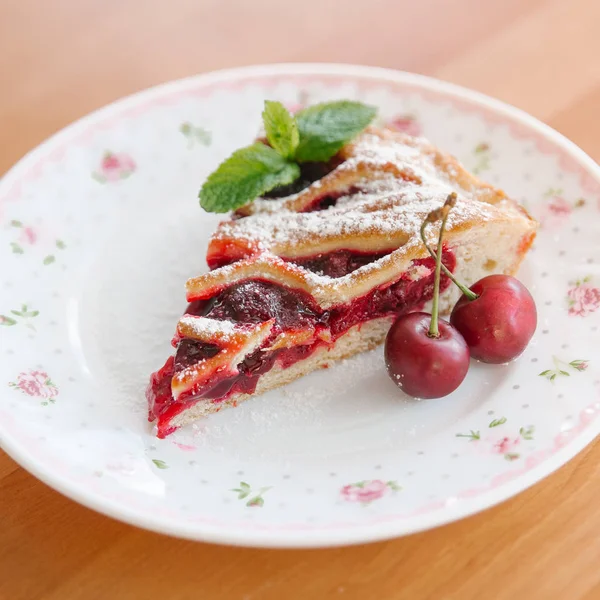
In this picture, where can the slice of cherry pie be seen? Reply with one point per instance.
(317, 271)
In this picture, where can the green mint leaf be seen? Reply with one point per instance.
(497, 422)
(49, 259)
(325, 128)
(160, 464)
(281, 128)
(244, 176)
(7, 321)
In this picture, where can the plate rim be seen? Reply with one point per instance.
(288, 537)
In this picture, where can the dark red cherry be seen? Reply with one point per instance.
(498, 324)
(421, 365)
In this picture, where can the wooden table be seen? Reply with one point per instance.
(61, 59)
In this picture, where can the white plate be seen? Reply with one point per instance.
(101, 244)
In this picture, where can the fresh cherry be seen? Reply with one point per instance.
(425, 356)
(499, 322)
(421, 365)
(496, 316)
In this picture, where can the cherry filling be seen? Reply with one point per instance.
(257, 301)
(339, 263)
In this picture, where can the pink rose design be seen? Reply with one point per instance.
(405, 124)
(115, 166)
(36, 383)
(186, 447)
(506, 445)
(555, 212)
(367, 491)
(583, 300)
(559, 206)
(28, 235)
(580, 365)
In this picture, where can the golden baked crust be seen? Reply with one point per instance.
(384, 187)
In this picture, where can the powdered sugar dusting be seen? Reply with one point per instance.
(372, 150)
(363, 213)
(207, 328)
(382, 203)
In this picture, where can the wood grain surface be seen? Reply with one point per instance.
(60, 59)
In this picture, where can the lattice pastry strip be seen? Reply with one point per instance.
(234, 340)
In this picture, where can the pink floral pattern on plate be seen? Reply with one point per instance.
(367, 491)
(256, 499)
(114, 166)
(507, 446)
(37, 384)
(583, 298)
(503, 444)
(20, 316)
(561, 368)
(27, 237)
(185, 447)
(405, 124)
(557, 209)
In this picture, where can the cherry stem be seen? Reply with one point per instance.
(463, 288)
(435, 306)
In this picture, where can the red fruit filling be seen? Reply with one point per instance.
(257, 301)
(339, 263)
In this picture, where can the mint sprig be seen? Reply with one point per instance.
(281, 128)
(325, 128)
(245, 175)
(315, 134)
